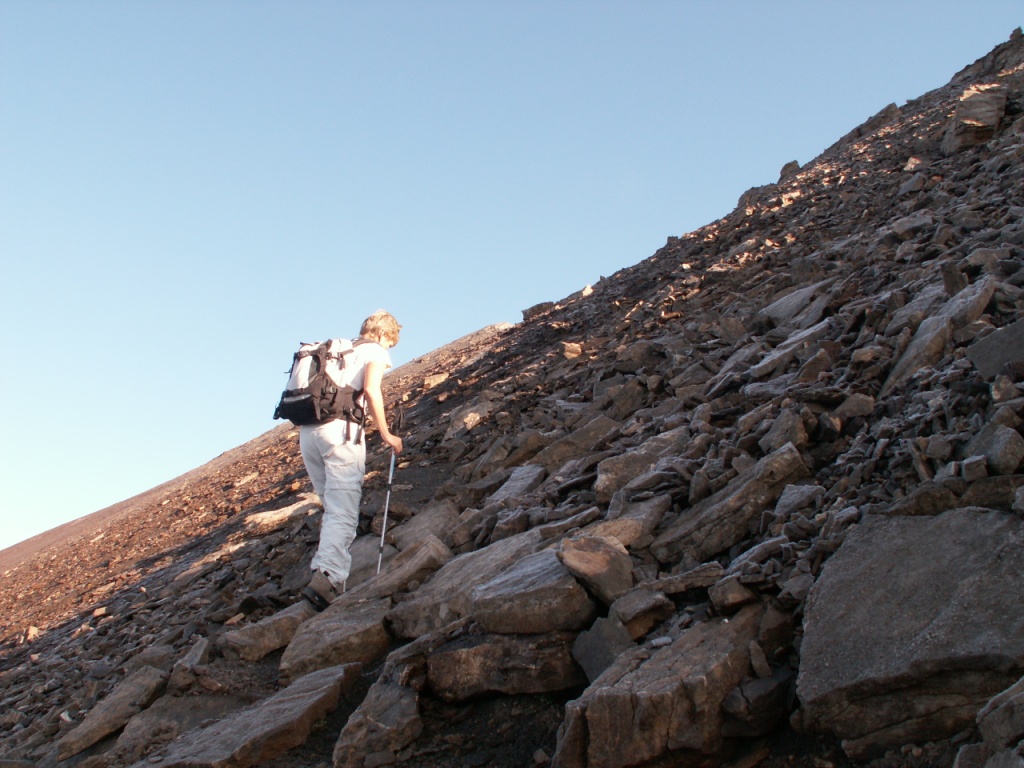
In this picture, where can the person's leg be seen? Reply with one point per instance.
(310, 447)
(344, 465)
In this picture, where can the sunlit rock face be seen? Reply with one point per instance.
(765, 483)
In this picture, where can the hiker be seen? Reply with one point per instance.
(334, 453)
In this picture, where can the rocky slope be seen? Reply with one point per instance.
(754, 501)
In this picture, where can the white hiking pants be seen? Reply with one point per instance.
(336, 463)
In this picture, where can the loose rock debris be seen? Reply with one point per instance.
(756, 500)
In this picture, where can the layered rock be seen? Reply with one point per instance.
(767, 480)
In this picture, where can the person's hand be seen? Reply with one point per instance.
(395, 442)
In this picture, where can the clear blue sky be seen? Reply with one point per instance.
(188, 189)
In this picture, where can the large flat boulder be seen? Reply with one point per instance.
(649, 704)
(475, 664)
(990, 353)
(912, 626)
(263, 731)
(445, 597)
(347, 631)
(437, 519)
(254, 641)
(537, 594)
(926, 348)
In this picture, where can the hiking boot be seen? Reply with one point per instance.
(320, 592)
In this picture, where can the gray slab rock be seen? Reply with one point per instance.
(602, 565)
(782, 311)
(276, 519)
(779, 358)
(991, 353)
(639, 610)
(168, 718)
(263, 731)
(478, 664)
(348, 631)
(388, 719)
(632, 521)
(926, 348)
(1001, 720)
(993, 492)
(131, 696)
(788, 427)
(976, 118)
(615, 472)
(1002, 447)
(445, 597)
(536, 594)
(703, 576)
(254, 641)
(437, 519)
(716, 523)
(671, 698)
(365, 551)
(912, 626)
(970, 303)
(522, 481)
(185, 669)
(925, 303)
(409, 568)
(1008, 758)
(577, 443)
(597, 648)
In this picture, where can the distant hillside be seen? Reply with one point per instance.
(756, 500)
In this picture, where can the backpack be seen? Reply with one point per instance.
(316, 391)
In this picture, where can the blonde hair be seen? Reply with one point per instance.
(381, 325)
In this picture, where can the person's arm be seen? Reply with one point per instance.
(375, 401)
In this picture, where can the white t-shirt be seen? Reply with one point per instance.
(362, 355)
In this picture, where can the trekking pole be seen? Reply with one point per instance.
(387, 501)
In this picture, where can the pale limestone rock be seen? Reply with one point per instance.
(267, 522)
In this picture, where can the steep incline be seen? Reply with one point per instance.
(756, 500)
